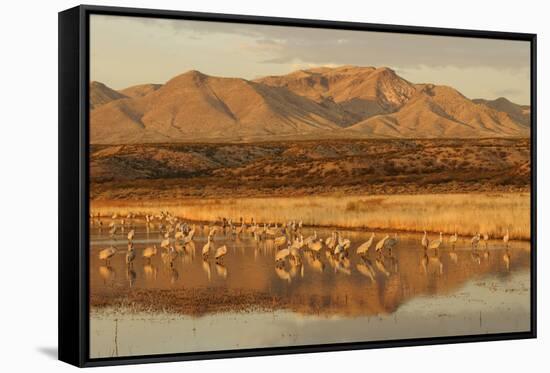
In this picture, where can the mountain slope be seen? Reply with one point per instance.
(360, 92)
(519, 113)
(139, 90)
(100, 94)
(321, 103)
(196, 106)
(441, 111)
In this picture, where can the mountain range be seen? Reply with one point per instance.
(319, 103)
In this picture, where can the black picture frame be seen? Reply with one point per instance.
(74, 183)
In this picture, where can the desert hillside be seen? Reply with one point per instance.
(347, 102)
(144, 171)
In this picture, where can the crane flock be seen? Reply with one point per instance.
(177, 237)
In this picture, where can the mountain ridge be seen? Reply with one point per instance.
(342, 102)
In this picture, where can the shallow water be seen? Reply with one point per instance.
(405, 294)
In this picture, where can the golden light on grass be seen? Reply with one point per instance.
(466, 214)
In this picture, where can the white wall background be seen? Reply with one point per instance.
(28, 182)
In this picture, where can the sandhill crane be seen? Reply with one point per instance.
(315, 263)
(453, 239)
(425, 241)
(345, 242)
(130, 255)
(390, 243)
(207, 247)
(295, 254)
(191, 234)
(475, 240)
(107, 254)
(506, 238)
(316, 245)
(340, 250)
(220, 253)
(437, 243)
(281, 255)
(240, 229)
(131, 235)
(149, 252)
(309, 240)
(279, 241)
(271, 231)
(178, 235)
(380, 244)
(364, 247)
(331, 241)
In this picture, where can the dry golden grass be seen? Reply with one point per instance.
(466, 214)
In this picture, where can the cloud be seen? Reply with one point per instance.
(318, 45)
(133, 50)
(508, 92)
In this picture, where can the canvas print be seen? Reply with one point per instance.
(256, 186)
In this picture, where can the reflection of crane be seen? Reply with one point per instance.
(486, 239)
(428, 261)
(149, 252)
(283, 273)
(366, 269)
(130, 255)
(506, 258)
(221, 270)
(206, 268)
(131, 277)
(107, 272)
(381, 267)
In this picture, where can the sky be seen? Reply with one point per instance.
(126, 51)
